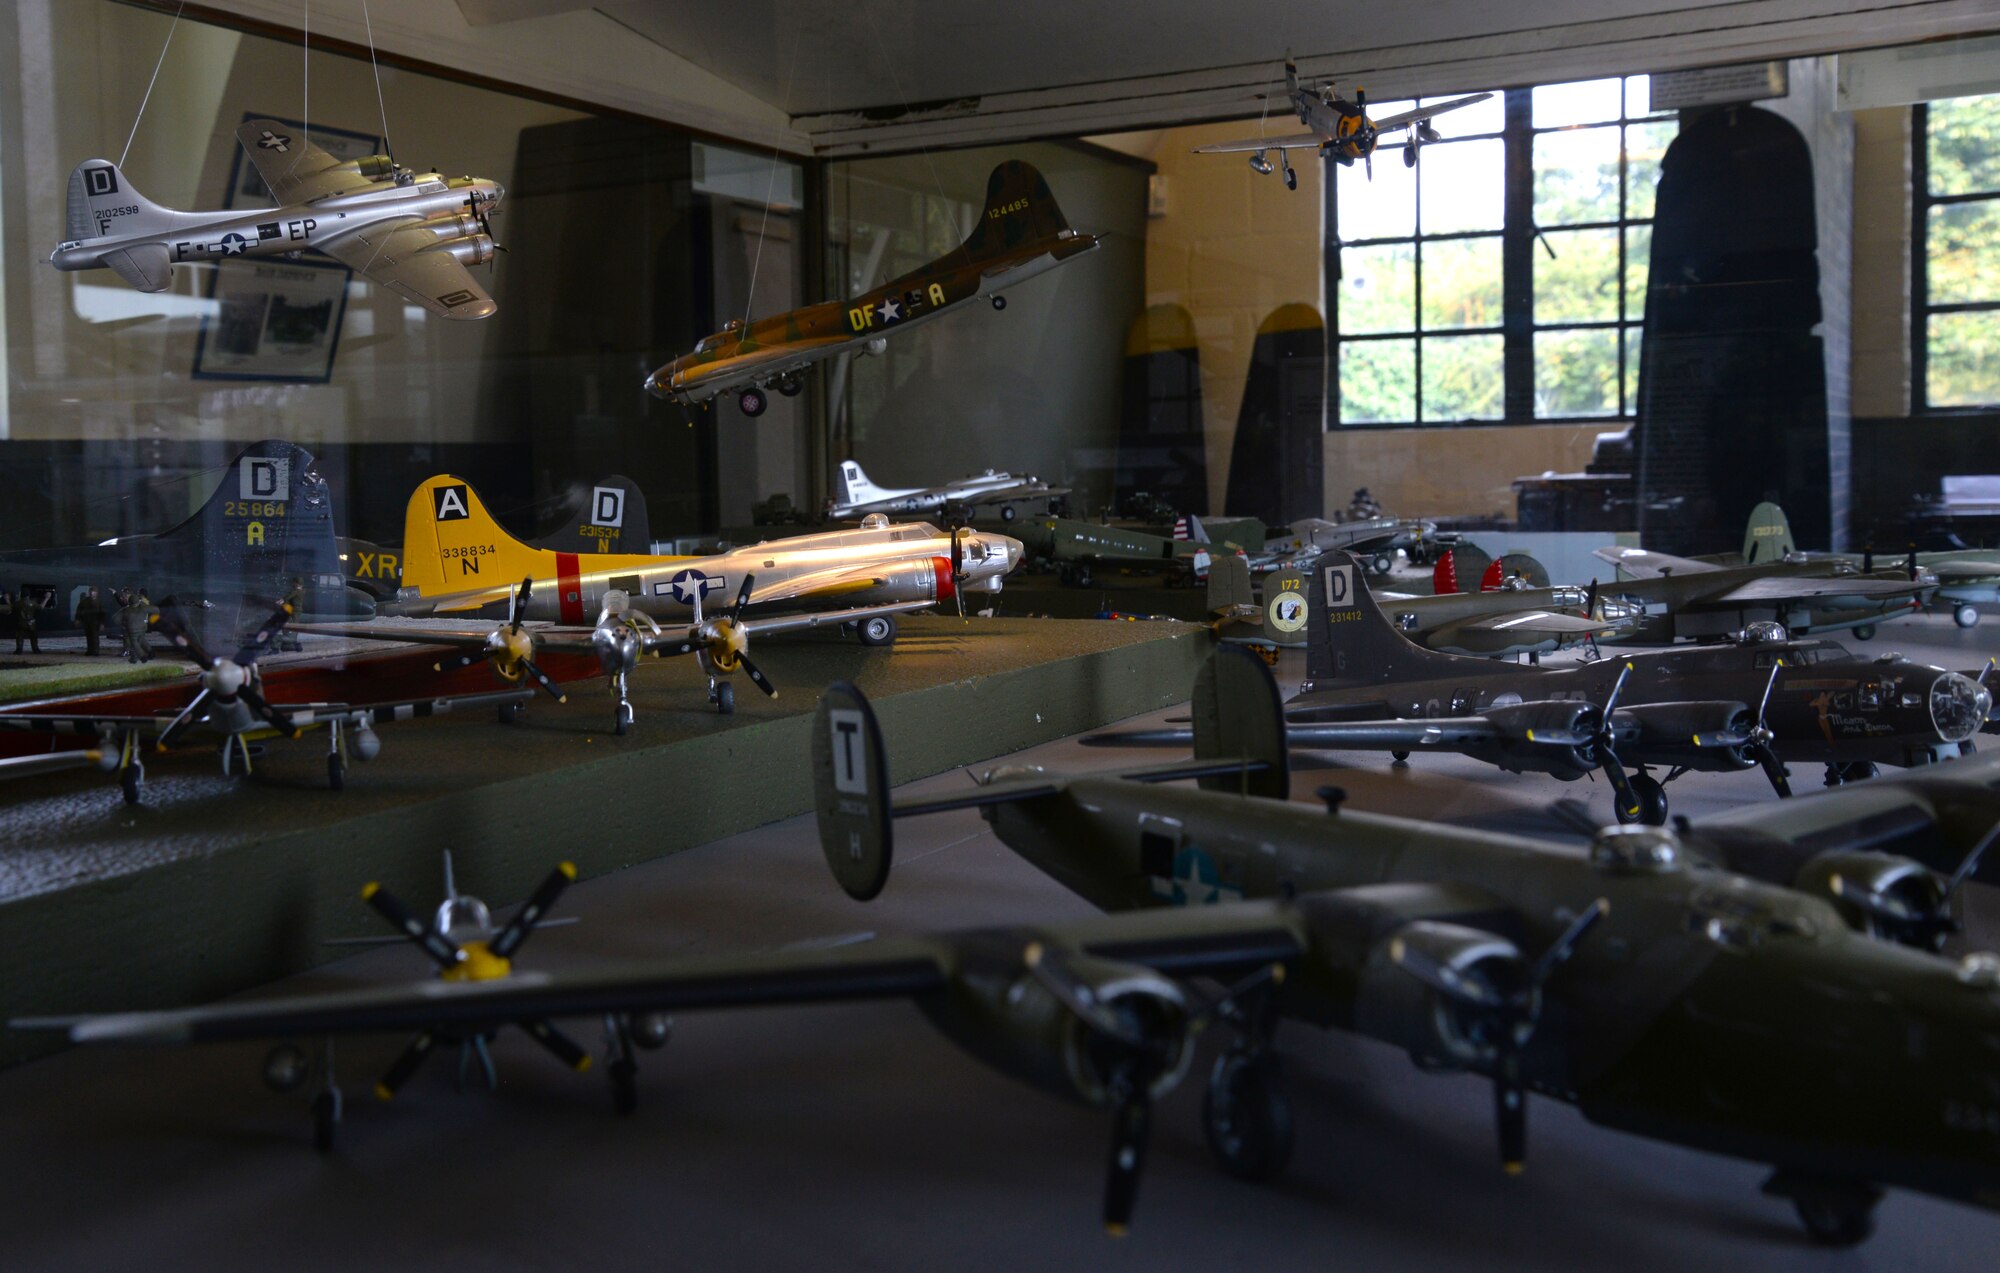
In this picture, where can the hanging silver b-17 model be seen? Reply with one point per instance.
(411, 232)
(1764, 989)
(1340, 129)
(860, 497)
(1020, 233)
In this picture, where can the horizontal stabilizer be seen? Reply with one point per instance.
(145, 266)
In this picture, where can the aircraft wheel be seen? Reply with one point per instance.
(1007, 514)
(1652, 800)
(336, 773)
(1291, 179)
(880, 630)
(326, 1114)
(1866, 632)
(623, 724)
(130, 780)
(1246, 1115)
(1966, 616)
(725, 699)
(753, 402)
(999, 302)
(1836, 1221)
(790, 386)
(1383, 563)
(1400, 757)
(624, 1085)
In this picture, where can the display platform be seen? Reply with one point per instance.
(215, 883)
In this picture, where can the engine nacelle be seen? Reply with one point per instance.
(1881, 895)
(472, 249)
(1551, 720)
(457, 225)
(1438, 1019)
(945, 585)
(1260, 163)
(1688, 733)
(997, 1010)
(374, 167)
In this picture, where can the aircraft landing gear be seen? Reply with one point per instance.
(880, 630)
(1007, 514)
(1245, 1114)
(1866, 632)
(621, 711)
(1400, 757)
(1836, 774)
(723, 695)
(622, 1034)
(1838, 1213)
(1652, 798)
(326, 1103)
(131, 769)
(999, 302)
(336, 757)
(1291, 178)
(1966, 615)
(790, 386)
(753, 401)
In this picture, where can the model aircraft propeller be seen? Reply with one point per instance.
(958, 568)
(1501, 998)
(226, 681)
(510, 647)
(723, 642)
(1761, 737)
(1606, 756)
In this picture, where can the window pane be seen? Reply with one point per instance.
(1576, 176)
(1385, 208)
(1584, 102)
(1489, 116)
(1461, 283)
(1638, 260)
(1581, 283)
(1463, 185)
(1964, 250)
(1576, 373)
(1964, 359)
(1638, 95)
(1378, 381)
(1378, 289)
(1645, 144)
(1463, 378)
(1964, 145)
(1633, 337)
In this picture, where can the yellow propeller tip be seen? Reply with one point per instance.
(382, 1092)
(567, 868)
(583, 1064)
(1116, 1230)
(1277, 974)
(159, 746)
(1513, 1168)
(562, 698)
(1033, 954)
(370, 889)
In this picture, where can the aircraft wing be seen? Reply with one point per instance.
(295, 170)
(1408, 117)
(409, 633)
(409, 263)
(1954, 574)
(1807, 587)
(679, 638)
(305, 715)
(1521, 625)
(820, 585)
(1246, 145)
(1637, 563)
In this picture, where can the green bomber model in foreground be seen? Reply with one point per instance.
(1764, 987)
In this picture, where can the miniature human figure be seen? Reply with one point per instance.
(7, 615)
(90, 617)
(24, 623)
(133, 620)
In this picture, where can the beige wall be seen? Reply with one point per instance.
(1452, 472)
(1881, 345)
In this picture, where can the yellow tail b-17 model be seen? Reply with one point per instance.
(1020, 233)
(1340, 129)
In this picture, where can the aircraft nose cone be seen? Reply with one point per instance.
(499, 192)
(1016, 553)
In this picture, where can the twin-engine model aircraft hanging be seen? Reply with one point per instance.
(860, 497)
(457, 561)
(411, 232)
(1020, 233)
(1340, 129)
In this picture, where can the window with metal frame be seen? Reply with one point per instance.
(1955, 254)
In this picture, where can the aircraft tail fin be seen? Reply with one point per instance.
(1229, 592)
(1239, 714)
(1353, 642)
(1494, 576)
(855, 488)
(1019, 209)
(1444, 574)
(270, 522)
(102, 202)
(452, 544)
(1291, 77)
(1768, 536)
(1188, 529)
(610, 517)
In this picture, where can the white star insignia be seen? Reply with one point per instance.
(889, 310)
(275, 141)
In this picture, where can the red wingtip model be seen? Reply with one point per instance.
(1444, 575)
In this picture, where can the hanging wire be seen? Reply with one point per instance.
(306, 78)
(896, 82)
(387, 147)
(174, 26)
(770, 187)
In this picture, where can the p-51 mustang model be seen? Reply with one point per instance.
(1020, 233)
(231, 704)
(411, 232)
(1341, 130)
(860, 497)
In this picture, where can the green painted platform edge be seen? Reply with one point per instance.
(197, 929)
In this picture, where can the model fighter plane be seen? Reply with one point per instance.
(1340, 130)
(1720, 990)
(411, 232)
(1020, 233)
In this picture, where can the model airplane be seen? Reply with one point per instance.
(1340, 130)
(269, 523)
(1642, 979)
(860, 497)
(1966, 577)
(230, 708)
(1020, 233)
(411, 232)
(1368, 687)
(1703, 599)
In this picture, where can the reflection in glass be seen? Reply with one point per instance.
(1576, 176)
(1638, 96)
(1576, 373)
(1463, 378)
(1489, 116)
(1462, 283)
(1581, 284)
(1634, 336)
(1464, 185)
(1378, 381)
(1378, 289)
(1638, 263)
(1964, 246)
(1964, 359)
(1385, 208)
(1582, 102)
(1964, 145)
(1645, 144)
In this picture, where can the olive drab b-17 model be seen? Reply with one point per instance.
(1020, 233)
(1697, 986)
(860, 497)
(458, 562)
(411, 232)
(1966, 577)
(1762, 702)
(1340, 130)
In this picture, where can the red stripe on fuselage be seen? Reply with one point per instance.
(569, 592)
